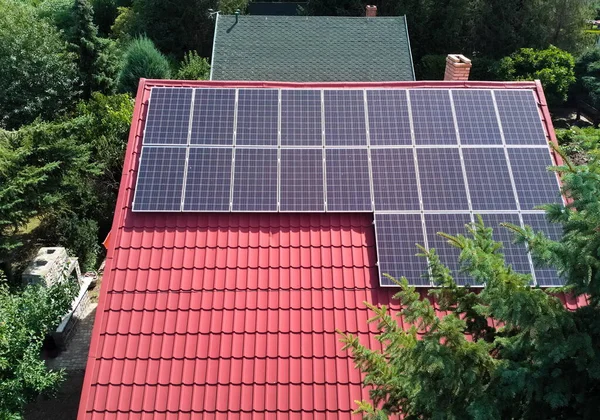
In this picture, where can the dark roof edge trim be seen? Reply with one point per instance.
(412, 64)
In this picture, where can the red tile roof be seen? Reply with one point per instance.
(232, 315)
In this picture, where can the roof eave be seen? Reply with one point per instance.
(135, 134)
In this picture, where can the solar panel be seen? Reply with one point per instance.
(489, 179)
(257, 117)
(442, 181)
(452, 224)
(345, 118)
(212, 122)
(301, 123)
(207, 186)
(545, 276)
(348, 186)
(476, 117)
(397, 236)
(389, 123)
(255, 180)
(514, 254)
(394, 179)
(302, 180)
(432, 117)
(520, 117)
(535, 184)
(168, 117)
(160, 179)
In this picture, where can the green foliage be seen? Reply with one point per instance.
(431, 67)
(509, 351)
(38, 74)
(66, 173)
(554, 67)
(25, 318)
(175, 27)
(58, 13)
(336, 8)
(580, 144)
(484, 28)
(105, 13)
(193, 67)
(484, 68)
(142, 59)
(228, 7)
(96, 57)
(124, 24)
(587, 72)
(20, 183)
(577, 255)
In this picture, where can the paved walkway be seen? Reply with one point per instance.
(75, 356)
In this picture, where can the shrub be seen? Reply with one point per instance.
(553, 66)
(431, 67)
(193, 67)
(141, 59)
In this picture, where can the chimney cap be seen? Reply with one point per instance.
(458, 58)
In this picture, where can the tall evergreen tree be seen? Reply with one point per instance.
(509, 351)
(97, 68)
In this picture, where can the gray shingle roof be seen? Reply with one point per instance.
(311, 48)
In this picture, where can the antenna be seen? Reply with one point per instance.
(212, 13)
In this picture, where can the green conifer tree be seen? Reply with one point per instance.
(510, 351)
(95, 56)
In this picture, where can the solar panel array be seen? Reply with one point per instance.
(423, 160)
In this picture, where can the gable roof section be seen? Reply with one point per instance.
(311, 49)
(233, 315)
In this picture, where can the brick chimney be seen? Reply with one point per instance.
(458, 67)
(371, 11)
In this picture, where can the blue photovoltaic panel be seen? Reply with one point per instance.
(514, 254)
(301, 123)
(520, 117)
(397, 237)
(348, 186)
(489, 179)
(389, 123)
(544, 275)
(535, 184)
(212, 122)
(302, 180)
(452, 224)
(432, 117)
(168, 117)
(257, 117)
(476, 117)
(345, 118)
(394, 179)
(442, 180)
(208, 180)
(160, 179)
(255, 180)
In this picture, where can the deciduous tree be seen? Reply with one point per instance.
(38, 76)
(25, 318)
(554, 67)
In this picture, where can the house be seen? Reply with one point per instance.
(312, 48)
(206, 315)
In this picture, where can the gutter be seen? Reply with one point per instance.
(212, 56)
